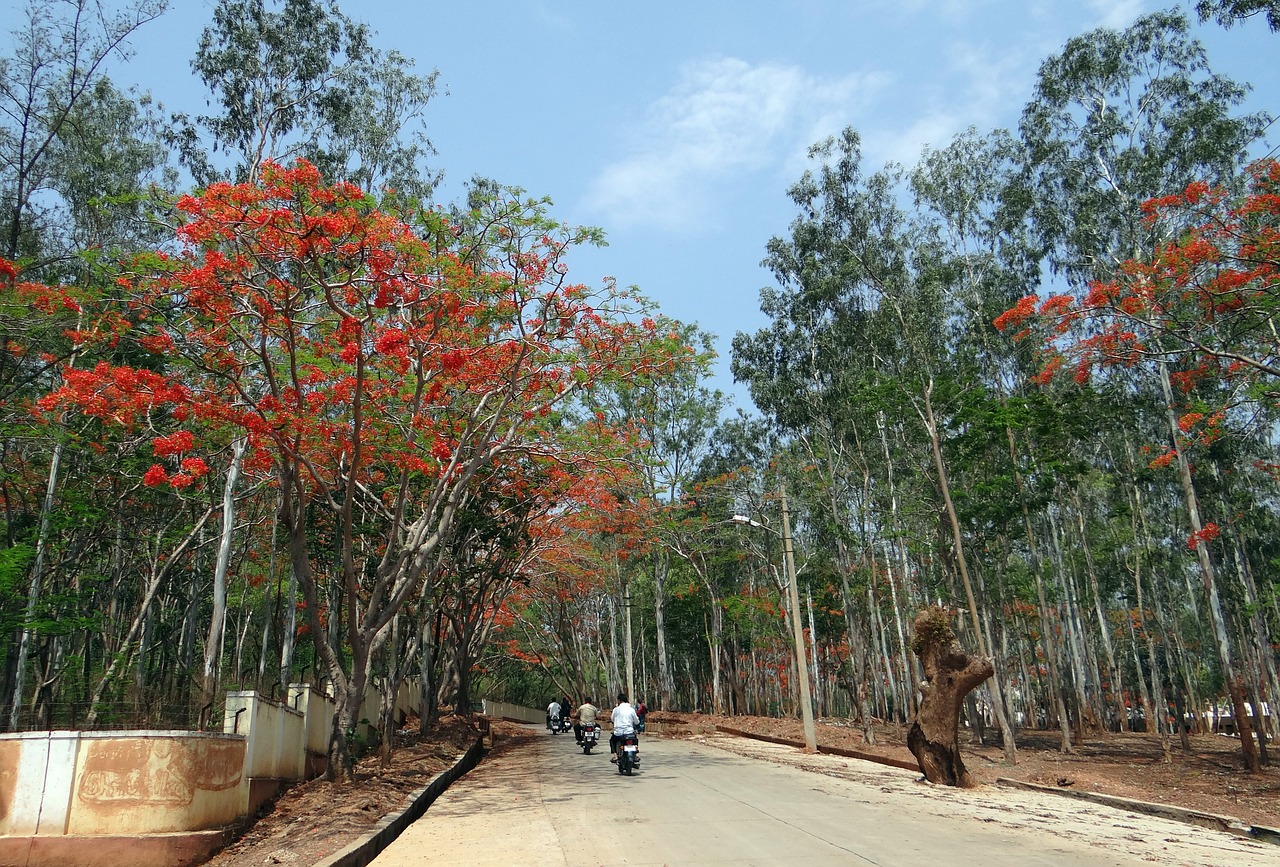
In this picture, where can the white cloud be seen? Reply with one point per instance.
(903, 145)
(974, 85)
(723, 118)
(1116, 14)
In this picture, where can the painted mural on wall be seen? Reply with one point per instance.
(10, 751)
(158, 772)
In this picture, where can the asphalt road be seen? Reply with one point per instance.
(728, 801)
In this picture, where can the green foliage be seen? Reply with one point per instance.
(1230, 12)
(305, 81)
(1119, 117)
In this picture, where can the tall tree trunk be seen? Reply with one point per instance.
(289, 629)
(1056, 685)
(1075, 654)
(142, 617)
(217, 620)
(666, 685)
(614, 675)
(906, 699)
(1104, 629)
(1216, 619)
(34, 587)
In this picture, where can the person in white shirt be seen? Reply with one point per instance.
(625, 721)
(553, 712)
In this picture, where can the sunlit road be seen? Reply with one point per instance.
(540, 801)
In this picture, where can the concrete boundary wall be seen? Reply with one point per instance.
(514, 712)
(91, 783)
(77, 797)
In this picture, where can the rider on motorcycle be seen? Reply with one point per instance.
(586, 715)
(625, 722)
(553, 712)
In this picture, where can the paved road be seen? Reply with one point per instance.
(728, 801)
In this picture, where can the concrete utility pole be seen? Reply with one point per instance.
(797, 628)
(631, 663)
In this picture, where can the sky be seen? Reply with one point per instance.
(678, 127)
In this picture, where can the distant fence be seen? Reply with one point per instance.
(503, 710)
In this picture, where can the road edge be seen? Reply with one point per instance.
(903, 764)
(1201, 819)
(1186, 815)
(363, 850)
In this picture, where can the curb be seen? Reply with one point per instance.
(1213, 821)
(831, 751)
(368, 847)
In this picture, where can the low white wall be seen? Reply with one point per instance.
(503, 710)
(140, 782)
(317, 710)
(277, 735)
(37, 772)
(148, 782)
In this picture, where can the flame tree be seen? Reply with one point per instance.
(373, 370)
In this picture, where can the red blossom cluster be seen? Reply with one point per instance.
(1205, 534)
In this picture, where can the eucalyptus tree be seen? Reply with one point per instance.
(305, 80)
(1230, 12)
(963, 194)
(675, 414)
(1116, 118)
(1119, 117)
(53, 96)
(75, 158)
(868, 310)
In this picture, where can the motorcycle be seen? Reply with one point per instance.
(566, 723)
(553, 724)
(590, 736)
(628, 754)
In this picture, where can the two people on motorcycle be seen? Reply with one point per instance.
(625, 722)
(586, 715)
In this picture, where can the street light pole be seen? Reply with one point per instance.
(797, 631)
(630, 660)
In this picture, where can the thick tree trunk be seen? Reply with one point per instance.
(950, 675)
(997, 697)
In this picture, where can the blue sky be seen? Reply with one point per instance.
(678, 126)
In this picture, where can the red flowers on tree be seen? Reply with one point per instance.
(373, 370)
(1204, 300)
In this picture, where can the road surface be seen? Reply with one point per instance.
(724, 800)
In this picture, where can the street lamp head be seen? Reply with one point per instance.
(751, 522)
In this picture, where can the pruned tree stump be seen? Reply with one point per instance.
(950, 674)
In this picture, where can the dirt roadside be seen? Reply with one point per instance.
(316, 819)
